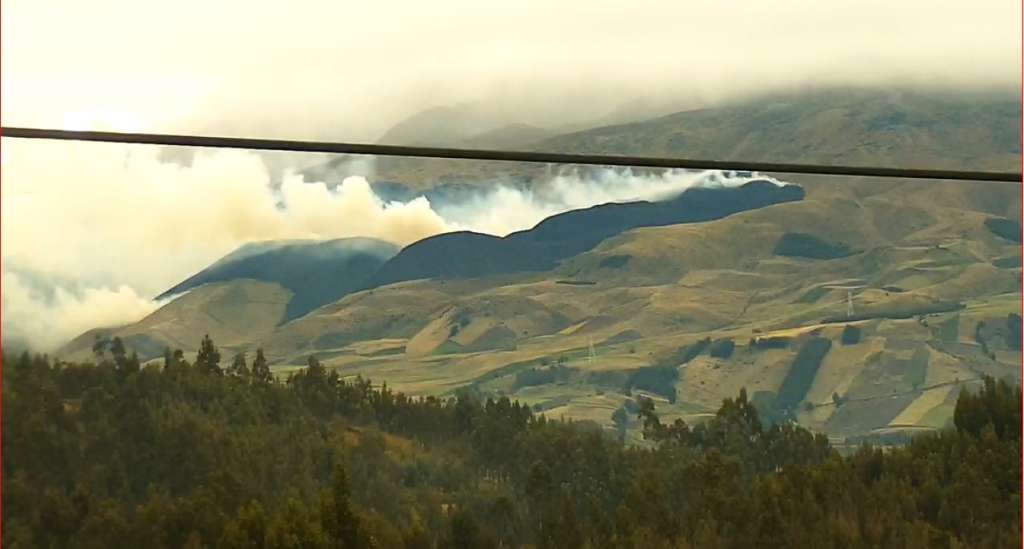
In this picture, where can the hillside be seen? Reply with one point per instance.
(567, 234)
(315, 272)
(235, 313)
(871, 127)
(690, 313)
(890, 128)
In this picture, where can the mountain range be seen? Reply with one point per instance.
(869, 127)
(854, 306)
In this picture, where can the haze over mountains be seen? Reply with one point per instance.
(685, 296)
(967, 130)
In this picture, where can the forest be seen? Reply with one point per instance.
(221, 453)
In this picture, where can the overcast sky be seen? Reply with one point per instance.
(350, 70)
(91, 232)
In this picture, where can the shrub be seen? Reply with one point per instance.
(762, 343)
(542, 376)
(809, 246)
(660, 380)
(723, 348)
(1013, 335)
(851, 335)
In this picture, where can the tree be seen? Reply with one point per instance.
(465, 532)
(620, 418)
(132, 364)
(560, 529)
(646, 414)
(246, 530)
(208, 358)
(99, 346)
(118, 351)
(340, 523)
(415, 537)
(261, 370)
(238, 367)
(174, 362)
(316, 371)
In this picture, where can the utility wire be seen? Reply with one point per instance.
(499, 155)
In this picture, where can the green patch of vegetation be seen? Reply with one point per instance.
(949, 330)
(851, 335)
(609, 378)
(813, 295)
(615, 261)
(989, 409)
(915, 370)
(765, 343)
(195, 455)
(576, 282)
(1011, 262)
(685, 353)
(722, 348)
(622, 337)
(458, 325)
(1013, 331)
(810, 247)
(982, 340)
(660, 380)
(542, 376)
(449, 347)
(801, 374)
(1004, 228)
(389, 351)
(899, 312)
(768, 409)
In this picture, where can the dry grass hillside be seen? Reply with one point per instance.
(689, 314)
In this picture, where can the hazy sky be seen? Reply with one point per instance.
(92, 231)
(349, 70)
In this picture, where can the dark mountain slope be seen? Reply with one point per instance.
(316, 272)
(558, 237)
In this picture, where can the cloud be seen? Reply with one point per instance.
(89, 231)
(351, 70)
(47, 323)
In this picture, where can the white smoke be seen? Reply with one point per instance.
(45, 324)
(503, 209)
(90, 230)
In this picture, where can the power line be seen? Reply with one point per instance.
(498, 155)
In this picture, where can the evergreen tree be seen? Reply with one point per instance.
(174, 362)
(261, 370)
(194, 460)
(208, 358)
(99, 345)
(118, 352)
(132, 364)
(238, 367)
(340, 523)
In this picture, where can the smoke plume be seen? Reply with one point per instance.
(91, 231)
